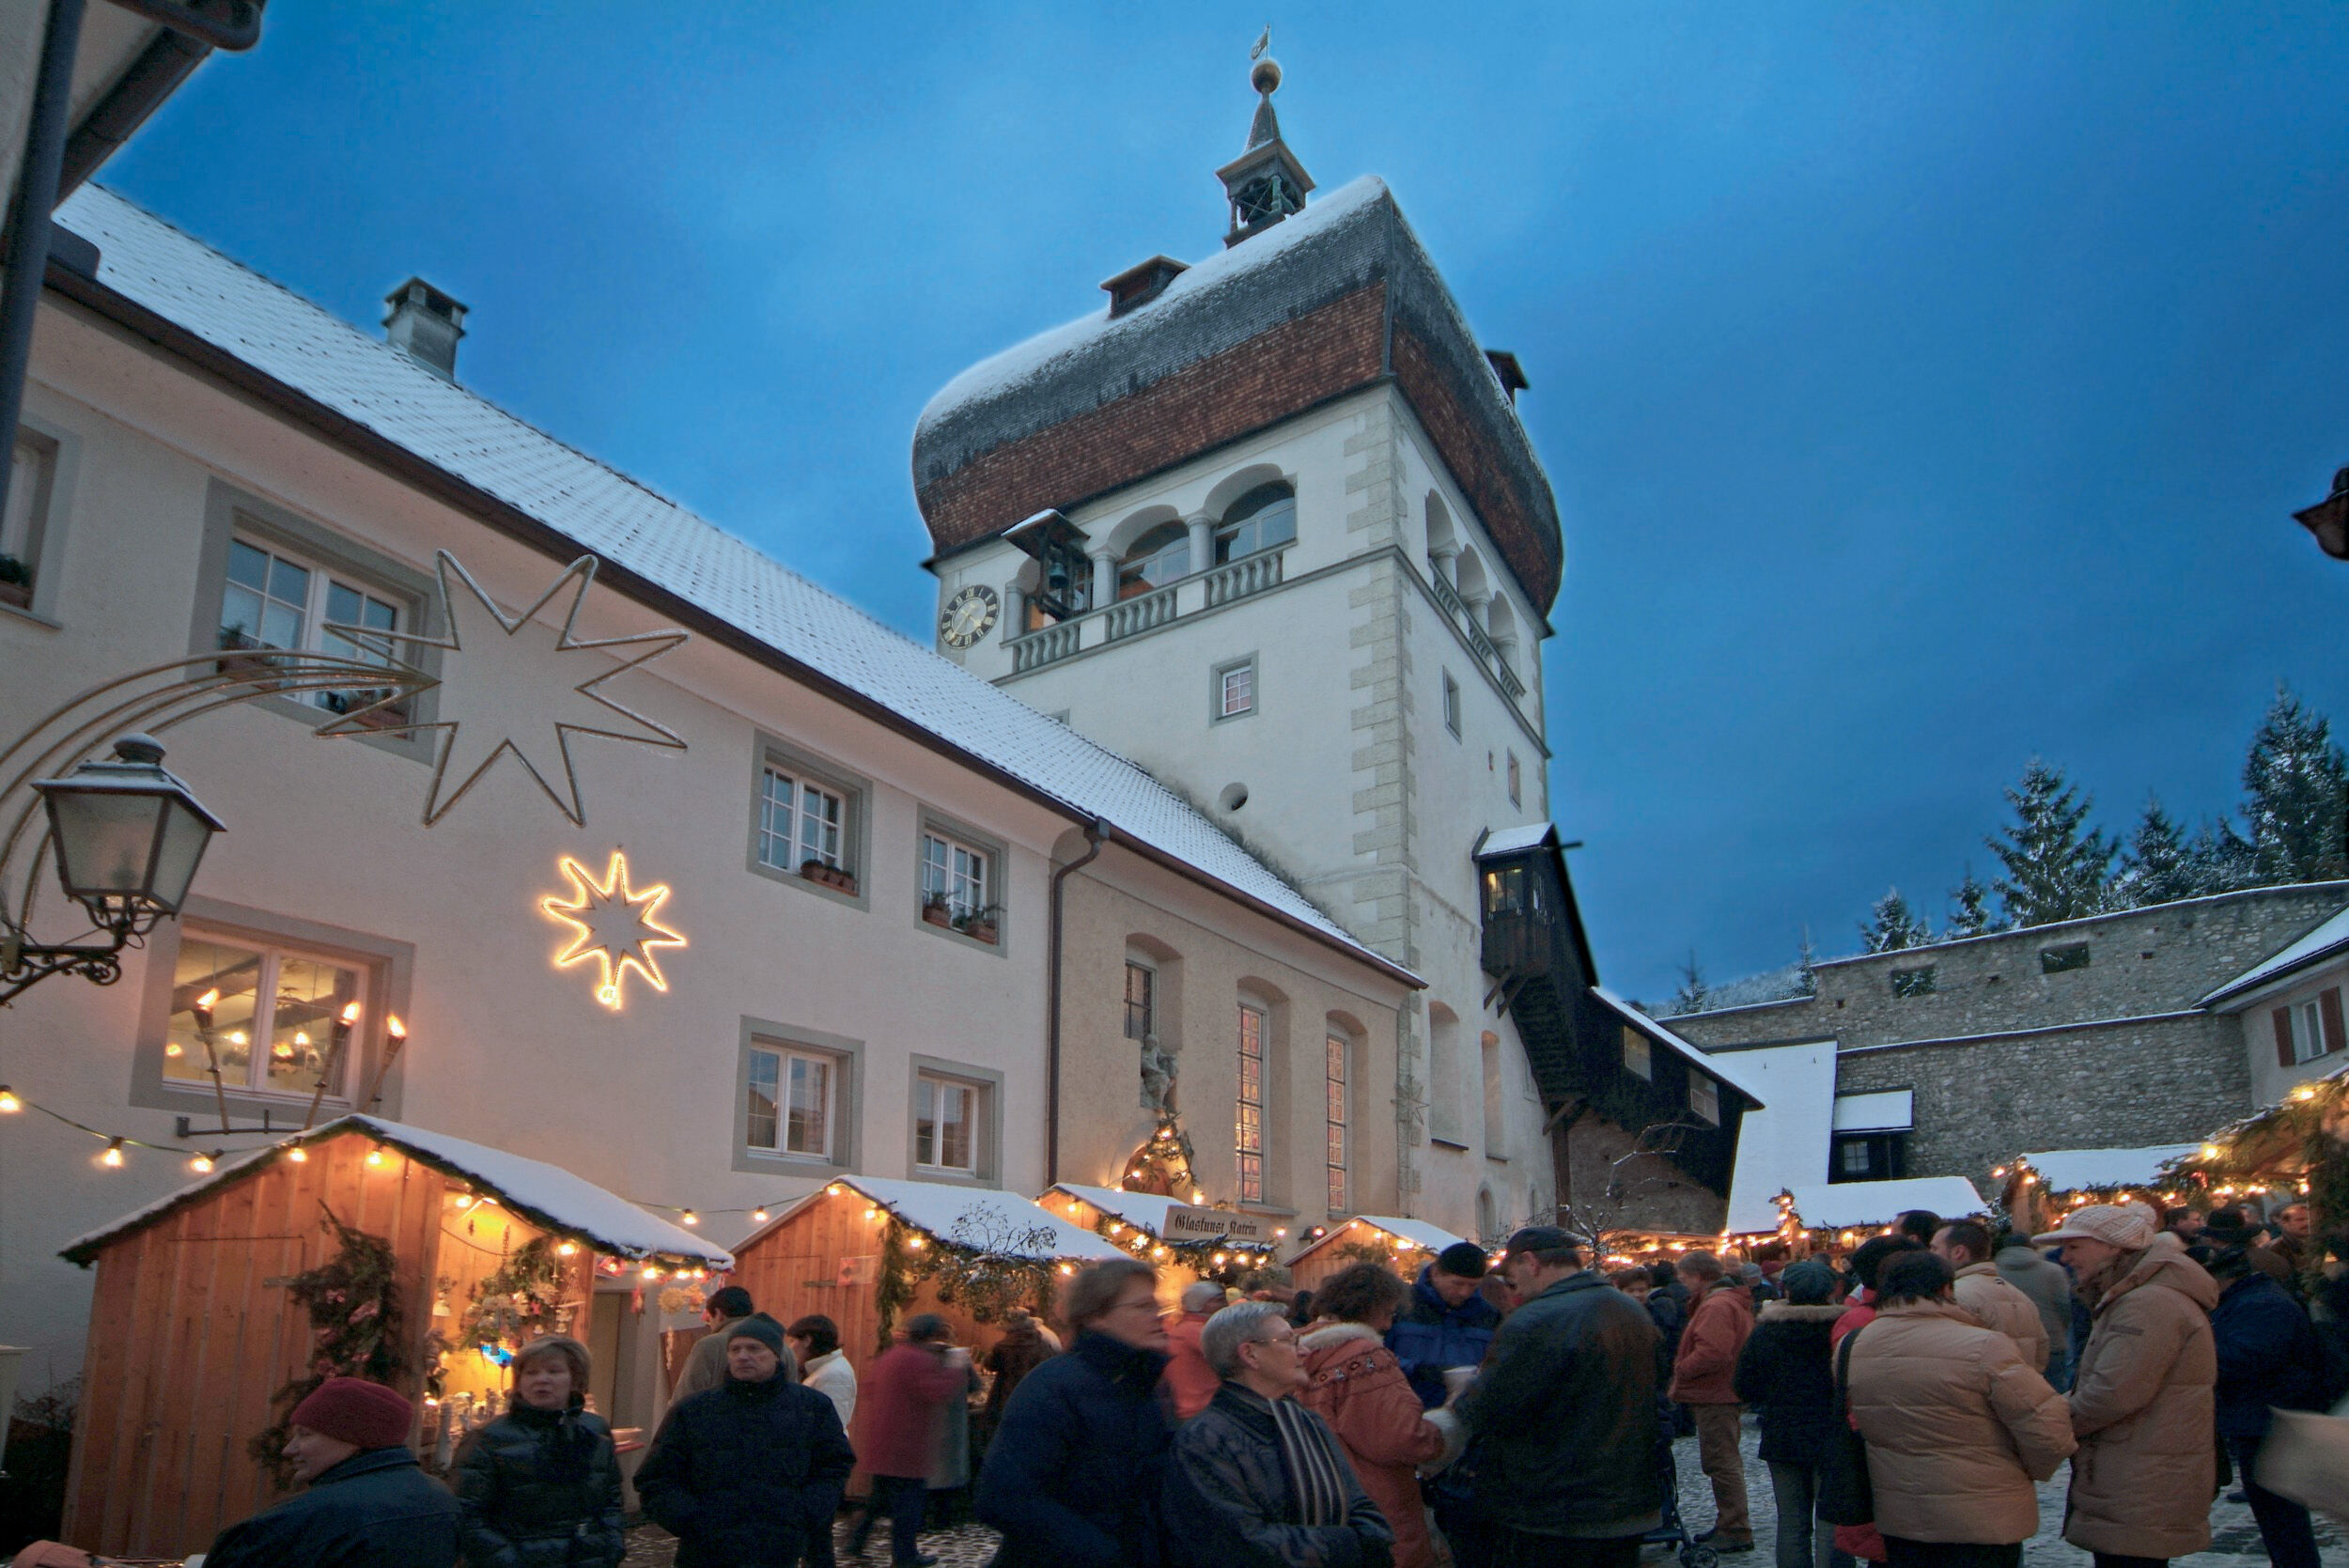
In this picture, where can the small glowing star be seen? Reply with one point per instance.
(616, 926)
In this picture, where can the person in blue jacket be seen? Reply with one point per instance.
(1447, 1323)
(2268, 1360)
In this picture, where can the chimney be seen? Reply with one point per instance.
(1512, 375)
(427, 323)
(1137, 285)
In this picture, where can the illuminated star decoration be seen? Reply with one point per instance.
(517, 685)
(615, 925)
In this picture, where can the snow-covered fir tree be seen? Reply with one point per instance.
(2295, 788)
(1692, 992)
(2221, 859)
(1969, 909)
(1891, 924)
(2055, 866)
(1806, 967)
(2157, 864)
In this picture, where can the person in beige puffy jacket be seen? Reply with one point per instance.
(1965, 1246)
(2142, 1403)
(1958, 1428)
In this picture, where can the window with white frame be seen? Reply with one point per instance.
(274, 599)
(267, 1017)
(1334, 1051)
(1235, 689)
(1248, 1128)
(2307, 1032)
(792, 1102)
(946, 1125)
(955, 875)
(1705, 1099)
(1451, 703)
(30, 466)
(800, 820)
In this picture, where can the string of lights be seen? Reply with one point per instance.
(111, 1157)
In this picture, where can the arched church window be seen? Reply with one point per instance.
(1158, 557)
(1262, 519)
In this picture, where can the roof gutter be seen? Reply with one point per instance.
(382, 453)
(1097, 834)
(189, 33)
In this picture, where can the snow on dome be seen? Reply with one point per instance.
(2073, 1169)
(1043, 356)
(546, 1196)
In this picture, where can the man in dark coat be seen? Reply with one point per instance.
(366, 1506)
(1256, 1480)
(1074, 1475)
(741, 1473)
(1565, 1413)
(1785, 1374)
(1447, 1323)
(2268, 1360)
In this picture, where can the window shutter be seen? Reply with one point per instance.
(2328, 1007)
(2283, 1036)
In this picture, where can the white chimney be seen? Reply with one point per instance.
(427, 323)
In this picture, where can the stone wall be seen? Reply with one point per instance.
(1656, 1194)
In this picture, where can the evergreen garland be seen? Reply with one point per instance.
(514, 1302)
(895, 1286)
(354, 1302)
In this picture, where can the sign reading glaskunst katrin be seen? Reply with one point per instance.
(1191, 1222)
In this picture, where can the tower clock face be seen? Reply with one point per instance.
(969, 617)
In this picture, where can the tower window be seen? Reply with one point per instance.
(1157, 558)
(1451, 703)
(1236, 688)
(1516, 784)
(1264, 518)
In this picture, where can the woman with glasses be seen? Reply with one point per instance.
(1074, 1474)
(1257, 1478)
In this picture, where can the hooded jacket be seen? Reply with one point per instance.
(1358, 1388)
(1786, 1372)
(1706, 1371)
(1566, 1411)
(1958, 1427)
(1074, 1475)
(2047, 1284)
(1998, 1305)
(1429, 1336)
(2142, 1408)
(542, 1489)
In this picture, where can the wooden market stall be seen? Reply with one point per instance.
(1137, 1221)
(870, 1251)
(2297, 1148)
(2039, 1189)
(1406, 1246)
(424, 1261)
(1835, 1217)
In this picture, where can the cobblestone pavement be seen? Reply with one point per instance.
(2234, 1539)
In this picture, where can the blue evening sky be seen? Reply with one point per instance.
(1925, 388)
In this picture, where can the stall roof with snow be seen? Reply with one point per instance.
(1786, 1143)
(945, 1212)
(1841, 1205)
(548, 1196)
(1322, 1257)
(1146, 1210)
(2088, 1170)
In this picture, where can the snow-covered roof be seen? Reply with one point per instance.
(547, 1195)
(1876, 1110)
(1834, 1206)
(936, 1209)
(380, 388)
(1419, 1232)
(1516, 841)
(1144, 1209)
(2072, 1170)
(2328, 940)
(1724, 1068)
(1786, 1143)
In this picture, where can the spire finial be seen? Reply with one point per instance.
(1264, 74)
(1265, 184)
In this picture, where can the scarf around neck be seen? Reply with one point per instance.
(1316, 1473)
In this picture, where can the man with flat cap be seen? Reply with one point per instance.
(365, 1503)
(1564, 1412)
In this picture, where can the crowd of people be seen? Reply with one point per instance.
(1488, 1415)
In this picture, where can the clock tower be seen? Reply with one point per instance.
(1267, 524)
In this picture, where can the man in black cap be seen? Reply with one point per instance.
(1566, 1412)
(1446, 1324)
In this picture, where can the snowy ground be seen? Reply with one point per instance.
(2234, 1539)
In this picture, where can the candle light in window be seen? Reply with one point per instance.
(111, 1159)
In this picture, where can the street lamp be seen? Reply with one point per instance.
(2329, 520)
(128, 837)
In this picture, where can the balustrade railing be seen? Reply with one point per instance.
(1039, 649)
(1236, 579)
(1139, 613)
(1250, 574)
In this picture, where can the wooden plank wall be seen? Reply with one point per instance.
(188, 1340)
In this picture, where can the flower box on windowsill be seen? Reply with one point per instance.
(236, 661)
(360, 707)
(938, 914)
(979, 931)
(827, 876)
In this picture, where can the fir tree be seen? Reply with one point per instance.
(1892, 925)
(1969, 909)
(1692, 992)
(2055, 868)
(1806, 965)
(2221, 859)
(2295, 787)
(2158, 865)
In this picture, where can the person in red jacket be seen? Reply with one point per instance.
(1188, 1377)
(902, 1399)
(1704, 1379)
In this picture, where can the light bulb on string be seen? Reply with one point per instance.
(299, 1155)
(9, 1104)
(759, 1217)
(111, 1159)
(375, 1158)
(691, 1218)
(566, 1249)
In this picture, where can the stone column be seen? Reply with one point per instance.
(1104, 576)
(1442, 556)
(1202, 541)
